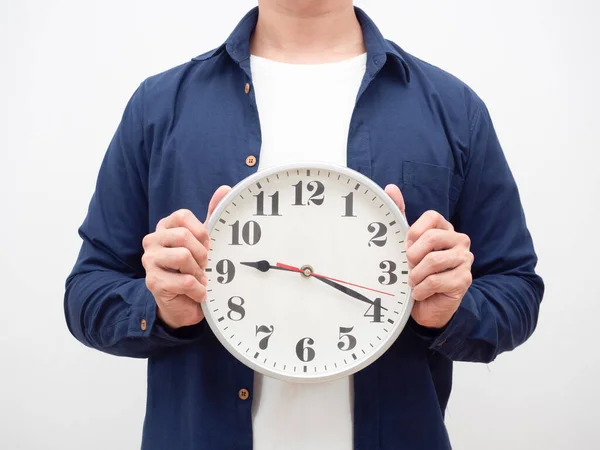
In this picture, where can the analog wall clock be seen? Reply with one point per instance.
(307, 272)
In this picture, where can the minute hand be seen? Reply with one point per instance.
(340, 287)
(346, 290)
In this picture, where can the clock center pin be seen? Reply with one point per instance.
(306, 271)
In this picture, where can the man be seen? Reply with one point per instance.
(326, 86)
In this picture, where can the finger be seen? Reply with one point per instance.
(183, 238)
(428, 221)
(450, 283)
(186, 219)
(216, 198)
(431, 240)
(178, 259)
(436, 262)
(394, 192)
(163, 283)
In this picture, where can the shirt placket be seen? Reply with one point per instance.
(366, 385)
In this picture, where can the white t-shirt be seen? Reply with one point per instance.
(305, 112)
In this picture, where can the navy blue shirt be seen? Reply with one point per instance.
(190, 129)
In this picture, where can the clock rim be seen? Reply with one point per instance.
(301, 377)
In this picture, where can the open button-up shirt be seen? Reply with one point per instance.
(195, 127)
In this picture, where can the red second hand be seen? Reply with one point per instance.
(296, 269)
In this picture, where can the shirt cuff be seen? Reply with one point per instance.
(425, 333)
(144, 322)
(451, 340)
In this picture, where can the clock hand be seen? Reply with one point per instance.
(346, 290)
(264, 266)
(318, 275)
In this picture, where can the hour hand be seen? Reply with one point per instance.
(263, 266)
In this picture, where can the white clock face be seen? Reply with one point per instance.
(307, 272)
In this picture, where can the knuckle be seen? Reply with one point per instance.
(432, 214)
(183, 255)
(416, 294)
(411, 255)
(147, 241)
(411, 235)
(146, 260)
(412, 278)
(187, 282)
(201, 293)
(470, 258)
(152, 283)
(465, 240)
(430, 235)
(435, 260)
(182, 214)
(434, 282)
(203, 232)
(181, 236)
(467, 279)
(198, 274)
(189, 236)
(203, 254)
(161, 223)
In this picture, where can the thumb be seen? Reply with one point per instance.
(394, 192)
(216, 198)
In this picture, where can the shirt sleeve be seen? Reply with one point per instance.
(107, 304)
(500, 309)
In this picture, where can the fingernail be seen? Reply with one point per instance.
(204, 280)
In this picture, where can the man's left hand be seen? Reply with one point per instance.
(440, 260)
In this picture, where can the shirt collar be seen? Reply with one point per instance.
(237, 44)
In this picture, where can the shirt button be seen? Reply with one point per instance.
(250, 161)
(247, 88)
(143, 325)
(244, 394)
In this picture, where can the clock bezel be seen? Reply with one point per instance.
(302, 377)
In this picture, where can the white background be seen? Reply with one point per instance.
(67, 69)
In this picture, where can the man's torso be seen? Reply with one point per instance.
(409, 127)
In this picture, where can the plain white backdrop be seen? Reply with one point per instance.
(67, 69)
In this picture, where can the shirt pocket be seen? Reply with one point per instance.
(425, 187)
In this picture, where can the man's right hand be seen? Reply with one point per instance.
(175, 257)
